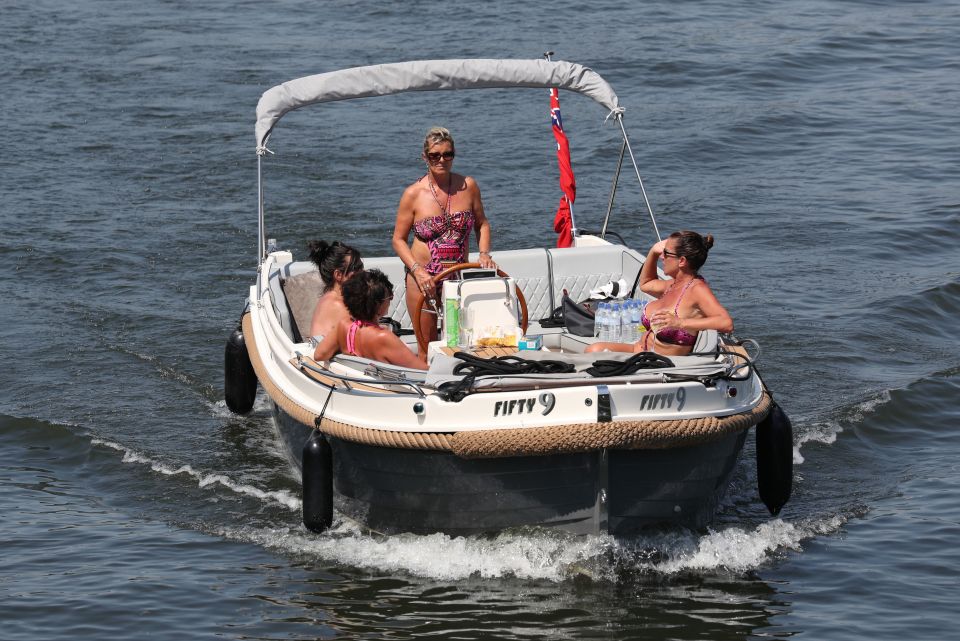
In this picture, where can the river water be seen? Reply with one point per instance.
(816, 140)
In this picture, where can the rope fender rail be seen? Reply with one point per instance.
(536, 441)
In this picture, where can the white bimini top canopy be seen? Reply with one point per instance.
(428, 75)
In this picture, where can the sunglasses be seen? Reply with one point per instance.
(669, 254)
(435, 156)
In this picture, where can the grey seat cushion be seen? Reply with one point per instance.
(302, 292)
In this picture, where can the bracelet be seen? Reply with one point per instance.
(315, 340)
(487, 254)
(414, 267)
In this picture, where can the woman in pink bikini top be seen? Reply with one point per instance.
(440, 208)
(685, 303)
(367, 295)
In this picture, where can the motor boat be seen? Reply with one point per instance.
(513, 425)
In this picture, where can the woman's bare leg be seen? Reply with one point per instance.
(610, 347)
(428, 320)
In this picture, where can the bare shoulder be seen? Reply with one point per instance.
(412, 190)
(384, 343)
(700, 287)
(406, 210)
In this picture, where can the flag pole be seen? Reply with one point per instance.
(573, 221)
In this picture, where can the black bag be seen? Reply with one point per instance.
(579, 318)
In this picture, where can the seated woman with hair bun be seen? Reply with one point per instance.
(336, 262)
(685, 303)
(367, 295)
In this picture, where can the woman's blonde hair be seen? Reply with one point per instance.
(435, 135)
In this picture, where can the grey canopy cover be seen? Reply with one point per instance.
(427, 75)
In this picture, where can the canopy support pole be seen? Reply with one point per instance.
(636, 169)
(261, 232)
(613, 190)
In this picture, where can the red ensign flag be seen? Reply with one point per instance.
(562, 223)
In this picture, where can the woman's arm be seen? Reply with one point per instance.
(401, 232)
(329, 346)
(650, 282)
(714, 315)
(391, 349)
(481, 225)
(403, 225)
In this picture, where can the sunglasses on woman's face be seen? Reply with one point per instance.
(669, 254)
(435, 156)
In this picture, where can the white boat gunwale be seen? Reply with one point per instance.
(440, 414)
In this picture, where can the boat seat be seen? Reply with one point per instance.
(580, 270)
(302, 291)
(707, 342)
(541, 274)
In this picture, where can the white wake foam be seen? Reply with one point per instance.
(735, 548)
(549, 556)
(542, 555)
(204, 480)
(826, 431)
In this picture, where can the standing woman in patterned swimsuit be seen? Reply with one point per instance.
(440, 208)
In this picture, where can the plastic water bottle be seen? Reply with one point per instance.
(598, 320)
(626, 328)
(613, 322)
(625, 333)
(601, 321)
(623, 329)
(605, 326)
(635, 321)
(621, 313)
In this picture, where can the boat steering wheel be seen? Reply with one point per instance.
(454, 269)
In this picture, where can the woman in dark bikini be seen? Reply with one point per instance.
(440, 208)
(367, 295)
(685, 303)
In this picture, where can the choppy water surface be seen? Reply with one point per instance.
(816, 140)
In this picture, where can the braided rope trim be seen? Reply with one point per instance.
(500, 443)
(345, 431)
(617, 435)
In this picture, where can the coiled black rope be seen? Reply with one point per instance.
(637, 362)
(508, 365)
(473, 366)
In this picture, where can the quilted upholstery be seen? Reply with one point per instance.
(541, 274)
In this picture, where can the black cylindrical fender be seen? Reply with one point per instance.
(239, 379)
(775, 459)
(317, 483)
